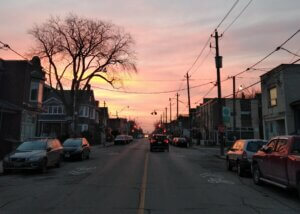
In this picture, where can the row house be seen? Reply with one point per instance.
(55, 122)
(281, 100)
(247, 119)
(21, 95)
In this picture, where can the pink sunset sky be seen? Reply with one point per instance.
(168, 36)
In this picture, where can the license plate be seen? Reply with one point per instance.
(67, 155)
(158, 142)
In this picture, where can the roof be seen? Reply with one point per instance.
(280, 68)
(83, 96)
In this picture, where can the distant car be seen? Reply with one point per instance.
(240, 154)
(130, 138)
(36, 154)
(77, 148)
(159, 142)
(122, 139)
(180, 141)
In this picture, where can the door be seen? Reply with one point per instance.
(264, 163)
(278, 162)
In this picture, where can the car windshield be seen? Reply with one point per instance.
(72, 143)
(254, 146)
(32, 145)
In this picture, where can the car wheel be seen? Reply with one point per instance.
(88, 156)
(256, 175)
(240, 170)
(228, 165)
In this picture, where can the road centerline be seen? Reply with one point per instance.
(141, 207)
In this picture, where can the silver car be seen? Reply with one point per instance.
(37, 154)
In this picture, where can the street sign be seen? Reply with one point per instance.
(226, 114)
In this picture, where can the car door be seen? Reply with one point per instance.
(51, 152)
(264, 160)
(278, 160)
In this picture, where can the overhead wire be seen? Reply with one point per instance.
(237, 17)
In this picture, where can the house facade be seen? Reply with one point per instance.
(247, 119)
(21, 95)
(281, 100)
(55, 122)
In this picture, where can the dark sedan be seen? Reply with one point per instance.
(34, 155)
(77, 148)
(159, 142)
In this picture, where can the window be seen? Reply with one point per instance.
(272, 145)
(36, 92)
(55, 110)
(282, 146)
(84, 111)
(296, 147)
(273, 96)
(83, 127)
(92, 112)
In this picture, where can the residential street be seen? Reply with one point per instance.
(122, 179)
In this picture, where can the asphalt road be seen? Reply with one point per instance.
(130, 179)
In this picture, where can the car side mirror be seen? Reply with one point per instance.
(48, 149)
(266, 149)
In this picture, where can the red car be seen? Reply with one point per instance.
(278, 163)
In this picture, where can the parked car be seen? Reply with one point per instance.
(278, 163)
(240, 154)
(121, 139)
(35, 154)
(180, 141)
(159, 142)
(77, 148)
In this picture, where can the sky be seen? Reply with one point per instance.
(169, 35)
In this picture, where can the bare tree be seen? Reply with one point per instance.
(79, 50)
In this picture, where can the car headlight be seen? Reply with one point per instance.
(35, 158)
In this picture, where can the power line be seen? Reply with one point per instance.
(206, 93)
(268, 55)
(8, 47)
(227, 14)
(238, 16)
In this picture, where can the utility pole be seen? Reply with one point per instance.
(166, 115)
(177, 95)
(170, 109)
(234, 106)
(218, 61)
(189, 101)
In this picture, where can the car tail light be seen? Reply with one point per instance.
(166, 141)
(244, 155)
